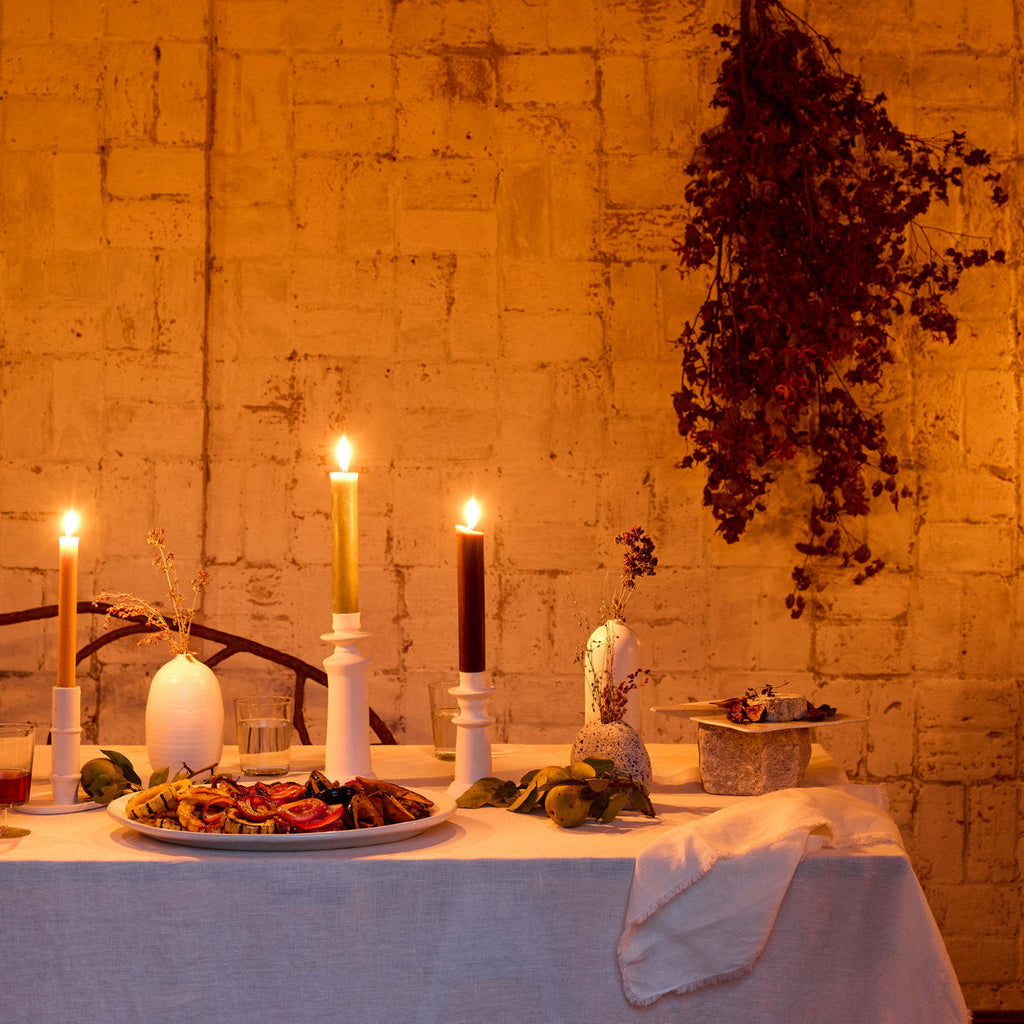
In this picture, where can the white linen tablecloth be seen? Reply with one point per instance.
(490, 917)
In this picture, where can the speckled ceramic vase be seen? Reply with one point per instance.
(618, 742)
(184, 716)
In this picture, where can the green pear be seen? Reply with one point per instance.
(103, 780)
(568, 805)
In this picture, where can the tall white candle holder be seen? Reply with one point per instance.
(348, 709)
(472, 744)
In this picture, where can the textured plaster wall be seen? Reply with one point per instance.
(233, 229)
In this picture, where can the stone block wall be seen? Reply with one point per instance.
(234, 229)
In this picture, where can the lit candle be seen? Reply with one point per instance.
(67, 602)
(344, 535)
(469, 550)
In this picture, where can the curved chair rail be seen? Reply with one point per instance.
(231, 644)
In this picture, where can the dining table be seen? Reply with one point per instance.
(485, 916)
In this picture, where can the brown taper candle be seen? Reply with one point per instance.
(469, 549)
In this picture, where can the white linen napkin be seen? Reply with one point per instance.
(704, 896)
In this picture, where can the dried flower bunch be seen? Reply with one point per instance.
(128, 606)
(613, 698)
(807, 202)
(638, 560)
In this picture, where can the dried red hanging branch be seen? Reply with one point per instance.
(807, 202)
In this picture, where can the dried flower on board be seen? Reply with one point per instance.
(807, 205)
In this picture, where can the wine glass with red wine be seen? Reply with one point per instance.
(17, 745)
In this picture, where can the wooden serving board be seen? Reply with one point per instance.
(706, 712)
(723, 722)
(697, 707)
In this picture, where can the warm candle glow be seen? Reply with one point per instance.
(344, 453)
(70, 523)
(472, 513)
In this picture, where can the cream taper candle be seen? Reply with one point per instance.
(67, 603)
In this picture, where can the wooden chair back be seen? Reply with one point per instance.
(231, 644)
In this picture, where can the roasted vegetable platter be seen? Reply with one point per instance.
(290, 815)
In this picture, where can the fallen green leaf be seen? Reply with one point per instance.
(527, 800)
(552, 776)
(616, 803)
(641, 801)
(489, 792)
(122, 762)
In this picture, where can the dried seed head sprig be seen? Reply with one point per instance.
(638, 561)
(129, 606)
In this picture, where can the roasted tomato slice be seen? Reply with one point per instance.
(285, 792)
(254, 807)
(333, 820)
(302, 814)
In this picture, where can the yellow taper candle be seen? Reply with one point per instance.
(67, 603)
(344, 535)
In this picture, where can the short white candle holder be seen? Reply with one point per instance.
(472, 744)
(66, 737)
(348, 709)
(65, 766)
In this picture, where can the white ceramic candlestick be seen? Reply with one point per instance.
(66, 733)
(472, 744)
(348, 709)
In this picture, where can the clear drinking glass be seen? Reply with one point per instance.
(264, 729)
(17, 745)
(443, 708)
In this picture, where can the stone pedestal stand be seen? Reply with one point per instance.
(736, 763)
(348, 710)
(472, 744)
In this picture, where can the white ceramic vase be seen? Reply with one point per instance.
(184, 716)
(613, 652)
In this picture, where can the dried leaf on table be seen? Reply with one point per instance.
(489, 792)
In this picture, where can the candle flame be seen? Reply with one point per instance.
(70, 523)
(472, 513)
(344, 453)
